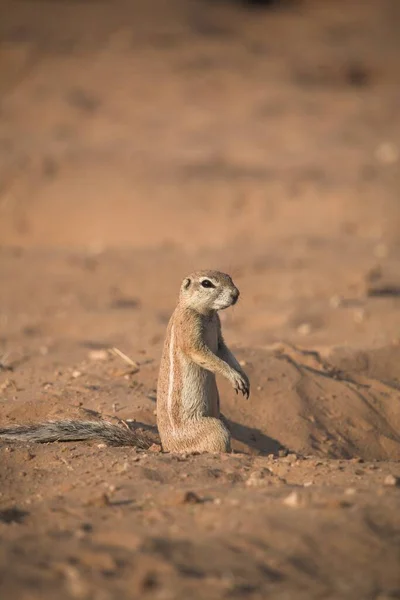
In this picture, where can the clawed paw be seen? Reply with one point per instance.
(241, 384)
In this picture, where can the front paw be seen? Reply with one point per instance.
(241, 383)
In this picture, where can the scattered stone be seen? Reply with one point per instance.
(260, 477)
(304, 329)
(98, 355)
(308, 483)
(76, 374)
(293, 500)
(188, 497)
(180, 457)
(6, 384)
(155, 448)
(392, 480)
(350, 491)
(242, 363)
(290, 458)
(86, 527)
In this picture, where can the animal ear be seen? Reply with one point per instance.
(186, 283)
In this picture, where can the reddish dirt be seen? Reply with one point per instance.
(139, 142)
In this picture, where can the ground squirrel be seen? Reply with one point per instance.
(188, 416)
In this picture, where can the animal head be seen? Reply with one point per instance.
(206, 291)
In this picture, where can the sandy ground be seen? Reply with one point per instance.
(140, 141)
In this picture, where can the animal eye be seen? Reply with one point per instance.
(207, 283)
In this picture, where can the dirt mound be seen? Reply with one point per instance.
(339, 404)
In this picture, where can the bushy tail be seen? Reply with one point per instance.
(73, 431)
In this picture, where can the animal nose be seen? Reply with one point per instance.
(235, 295)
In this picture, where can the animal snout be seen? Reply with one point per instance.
(235, 296)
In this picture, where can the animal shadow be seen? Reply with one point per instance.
(254, 438)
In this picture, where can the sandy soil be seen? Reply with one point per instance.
(139, 141)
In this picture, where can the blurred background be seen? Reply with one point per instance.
(198, 123)
(141, 140)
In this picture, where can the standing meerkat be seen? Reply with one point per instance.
(188, 409)
(188, 416)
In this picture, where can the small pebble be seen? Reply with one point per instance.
(98, 355)
(290, 458)
(293, 500)
(304, 329)
(188, 497)
(392, 480)
(155, 448)
(259, 478)
(123, 468)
